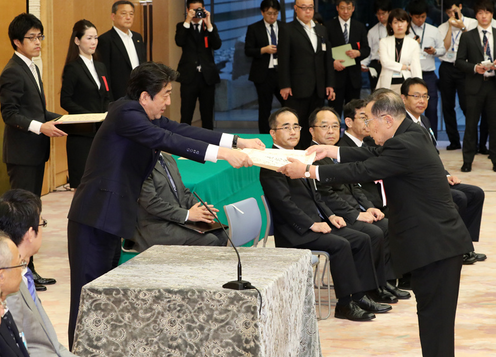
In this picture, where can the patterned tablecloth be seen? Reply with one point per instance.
(169, 301)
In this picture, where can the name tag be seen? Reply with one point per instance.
(450, 55)
(397, 75)
(324, 47)
(274, 61)
(422, 55)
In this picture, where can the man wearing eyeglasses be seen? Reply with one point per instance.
(20, 218)
(28, 125)
(306, 72)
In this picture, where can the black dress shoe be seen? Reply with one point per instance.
(404, 283)
(371, 306)
(39, 287)
(466, 167)
(43, 281)
(381, 295)
(400, 294)
(480, 257)
(352, 312)
(483, 150)
(469, 259)
(453, 146)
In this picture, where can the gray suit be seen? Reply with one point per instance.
(32, 319)
(160, 213)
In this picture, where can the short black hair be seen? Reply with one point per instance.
(313, 116)
(448, 4)
(384, 5)
(405, 87)
(19, 211)
(20, 26)
(267, 4)
(418, 7)
(189, 2)
(484, 5)
(400, 15)
(352, 2)
(116, 5)
(273, 117)
(349, 110)
(150, 77)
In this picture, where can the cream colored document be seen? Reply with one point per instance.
(81, 118)
(273, 159)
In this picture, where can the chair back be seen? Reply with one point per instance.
(269, 230)
(245, 221)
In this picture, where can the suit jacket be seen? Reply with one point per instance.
(160, 212)
(198, 50)
(371, 190)
(424, 225)
(295, 207)
(410, 55)
(80, 93)
(122, 156)
(256, 38)
(300, 67)
(9, 347)
(21, 102)
(34, 322)
(358, 41)
(470, 52)
(113, 54)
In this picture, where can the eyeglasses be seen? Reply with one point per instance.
(23, 265)
(43, 223)
(305, 8)
(418, 96)
(289, 128)
(34, 38)
(327, 126)
(344, 8)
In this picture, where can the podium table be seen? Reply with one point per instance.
(169, 301)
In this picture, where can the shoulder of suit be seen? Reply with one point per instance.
(137, 34)
(107, 34)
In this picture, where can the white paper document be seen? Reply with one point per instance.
(273, 159)
(81, 118)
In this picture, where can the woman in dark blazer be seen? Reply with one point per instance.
(85, 89)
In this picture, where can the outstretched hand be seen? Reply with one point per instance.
(294, 170)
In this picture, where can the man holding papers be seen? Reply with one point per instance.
(343, 31)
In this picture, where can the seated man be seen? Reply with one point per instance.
(164, 205)
(349, 202)
(11, 265)
(468, 198)
(302, 220)
(20, 218)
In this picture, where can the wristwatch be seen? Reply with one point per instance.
(463, 28)
(235, 141)
(307, 171)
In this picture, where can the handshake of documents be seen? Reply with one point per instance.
(273, 159)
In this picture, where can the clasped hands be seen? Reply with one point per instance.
(296, 168)
(238, 158)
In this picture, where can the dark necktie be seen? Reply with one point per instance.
(31, 287)
(345, 34)
(9, 322)
(486, 45)
(273, 38)
(169, 176)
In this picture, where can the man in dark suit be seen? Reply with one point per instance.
(306, 73)
(427, 235)
(120, 49)
(198, 38)
(468, 198)
(344, 30)
(122, 156)
(28, 125)
(261, 45)
(302, 220)
(164, 205)
(11, 341)
(477, 46)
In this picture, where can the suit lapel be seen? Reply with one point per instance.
(29, 74)
(87, 72)
(162, 171)
(264, 39)
(303, 33)
(120, 45)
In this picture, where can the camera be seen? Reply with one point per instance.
(200, 13)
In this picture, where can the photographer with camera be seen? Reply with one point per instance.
(198, 38)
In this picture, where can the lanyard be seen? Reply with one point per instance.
(423, 33)
(454, 39)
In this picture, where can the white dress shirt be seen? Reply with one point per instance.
(450, 55)
(429, 37)
(276, 31)
(374, 36)
(312, 35)
(490, 44)
(127, 39)
(91, 67)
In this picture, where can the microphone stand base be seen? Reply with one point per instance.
(237, 285)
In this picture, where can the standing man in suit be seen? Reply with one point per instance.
(20, 218)
(302, 220)
(198, 38)
(427, 235)
(11, 265)
(344, 30)
(261, 44)
(164, 205)
(306, 73)
(476, 46)
(120, 49)
(123, 154)
(28, 125)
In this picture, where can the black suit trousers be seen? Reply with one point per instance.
(29, 178)
(373, 80)
(266, 91)
(436, 289)
(344, 93)
(470, 201)
(205, 94)
(304, 107)
(92, 253)
(431, 112)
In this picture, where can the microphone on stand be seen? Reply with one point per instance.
(235, 284)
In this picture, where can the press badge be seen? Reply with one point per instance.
(397, 75)
(422, 55)
(274, 61)
(450, 55)
(324, 47)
